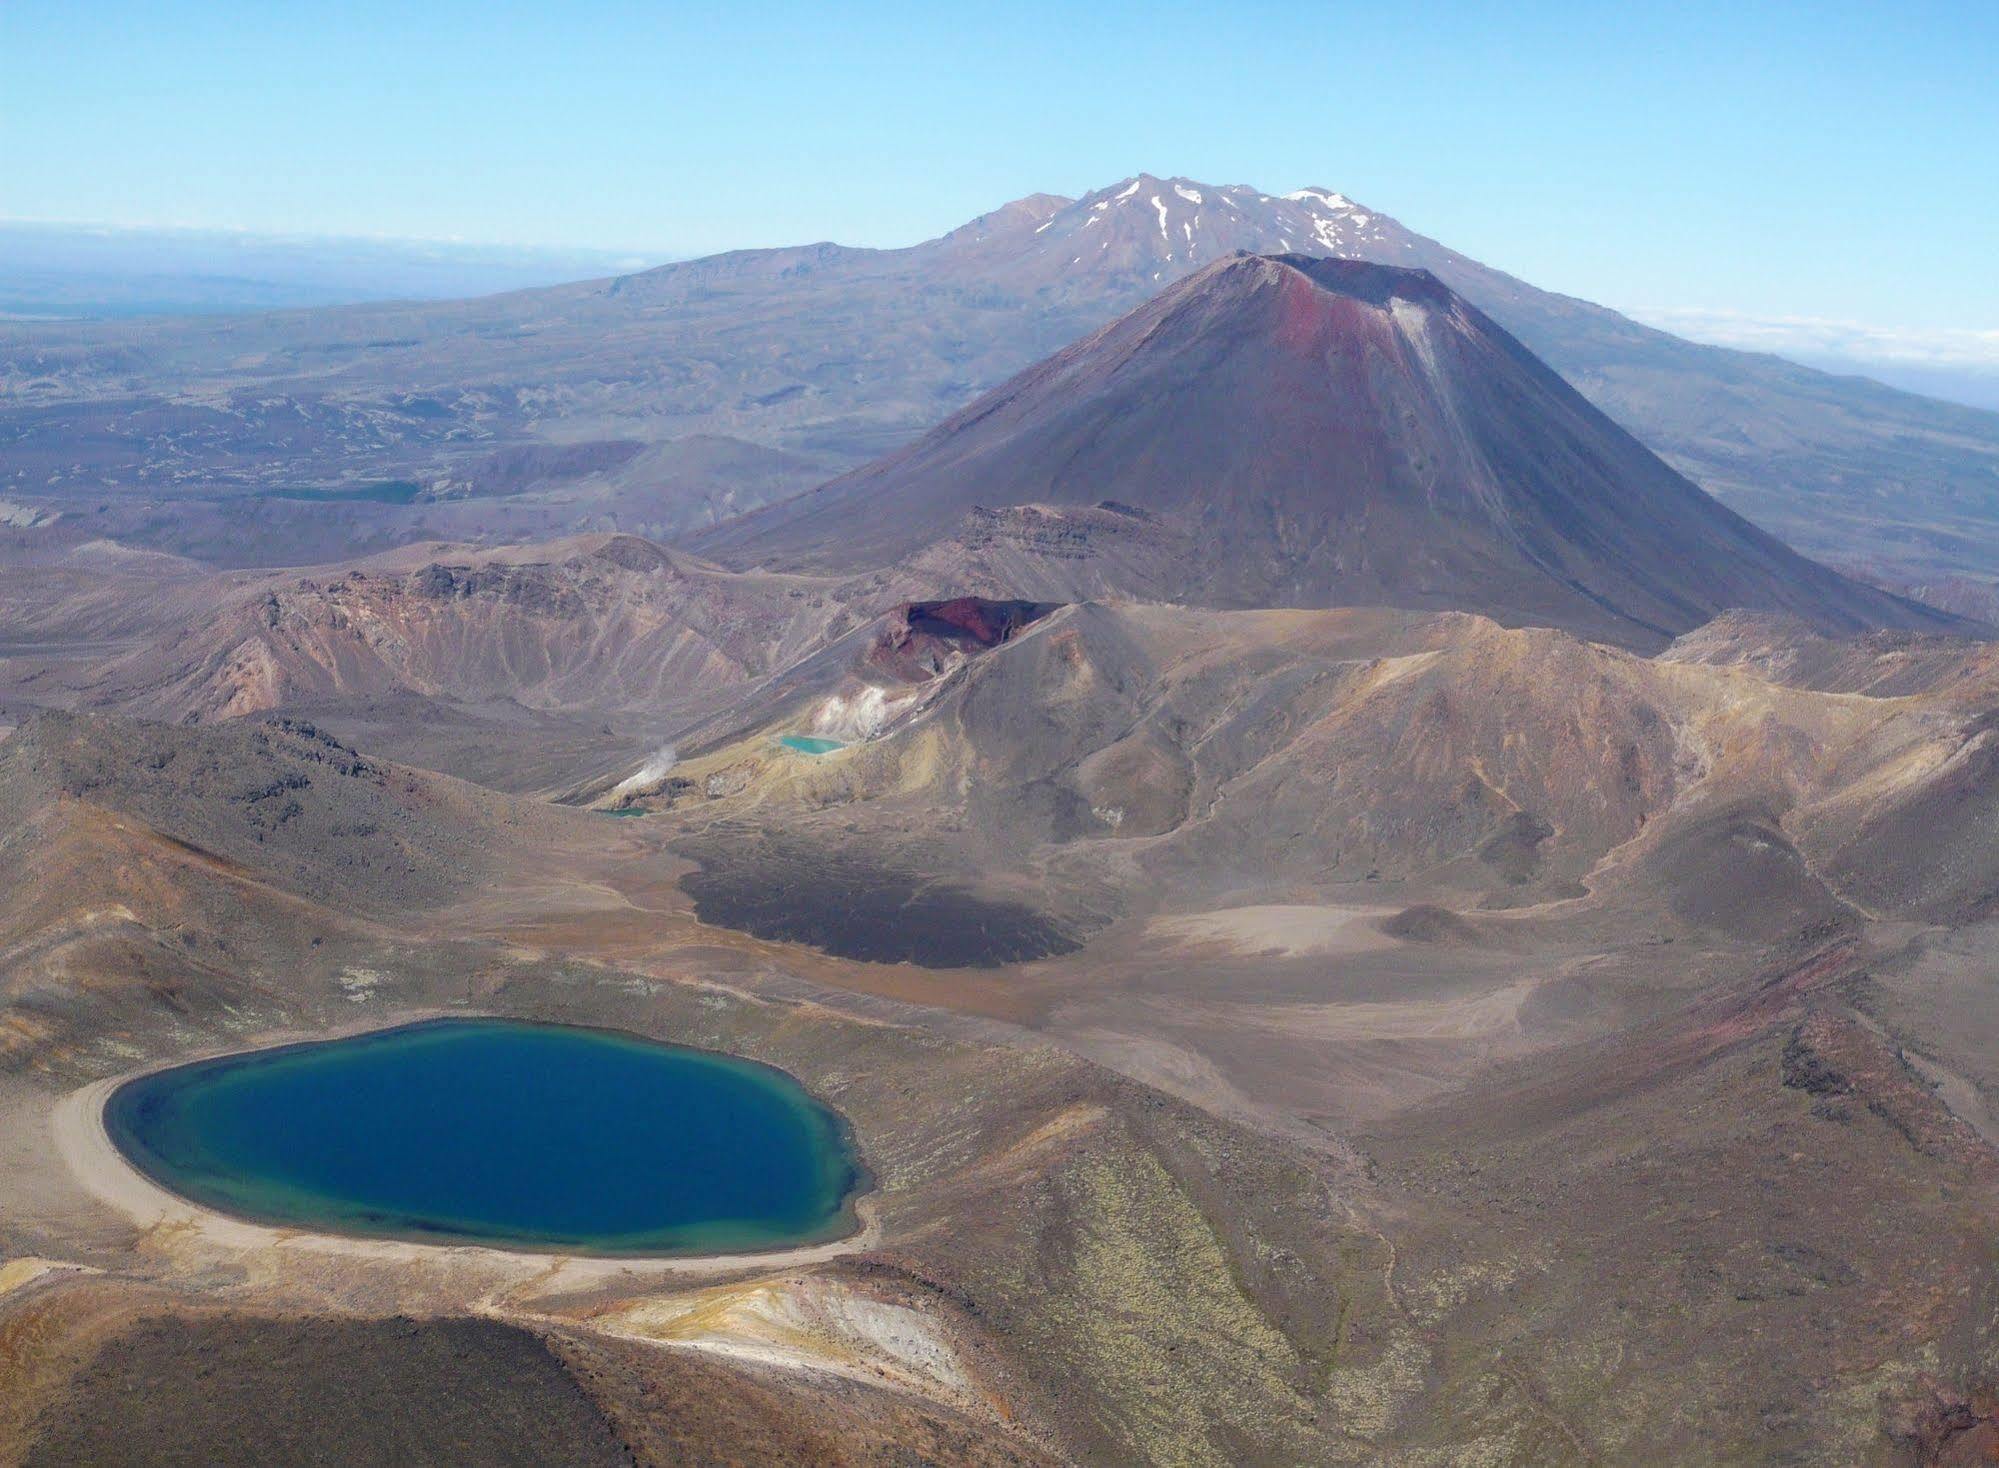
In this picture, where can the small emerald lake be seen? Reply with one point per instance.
(499, 1132)
(809, 743)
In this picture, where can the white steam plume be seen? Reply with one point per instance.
(655, 769)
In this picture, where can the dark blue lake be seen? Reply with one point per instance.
(497, 1132)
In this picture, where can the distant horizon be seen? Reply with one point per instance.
(1711, 156)
(285, 236)
(1959, 365)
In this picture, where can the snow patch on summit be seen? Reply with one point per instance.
(1321, 196)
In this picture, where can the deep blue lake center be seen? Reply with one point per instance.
(499, 1132)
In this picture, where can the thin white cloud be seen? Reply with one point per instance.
(442, 247)
(1960, 348)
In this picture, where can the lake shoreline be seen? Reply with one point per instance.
(85, 1145)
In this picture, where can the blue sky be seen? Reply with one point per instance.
(1833, 162)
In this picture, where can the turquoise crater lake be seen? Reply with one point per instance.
(809, 743)
(502, 1133)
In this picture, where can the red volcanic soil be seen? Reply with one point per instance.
(921, 636)
(973, 618)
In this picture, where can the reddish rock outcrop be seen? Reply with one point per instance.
(923, 638)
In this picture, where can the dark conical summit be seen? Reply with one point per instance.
(1332, 432)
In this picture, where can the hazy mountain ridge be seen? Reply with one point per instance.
(841, 353)
(95, 271)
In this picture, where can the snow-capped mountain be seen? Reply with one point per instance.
(1158, 227)
(1142, 233)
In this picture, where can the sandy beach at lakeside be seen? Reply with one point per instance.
(85, 1148)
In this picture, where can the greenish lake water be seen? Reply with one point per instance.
(809, 743)
(504, 1133)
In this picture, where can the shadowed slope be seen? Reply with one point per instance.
(282, 799)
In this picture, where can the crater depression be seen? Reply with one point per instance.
(503, 1133)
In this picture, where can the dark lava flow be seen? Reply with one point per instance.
(874, 914)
